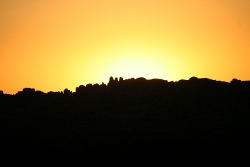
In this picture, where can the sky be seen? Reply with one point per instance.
(51, 45)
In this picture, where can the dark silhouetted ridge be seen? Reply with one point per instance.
(129, 120)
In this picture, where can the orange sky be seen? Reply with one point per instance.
(57, 44)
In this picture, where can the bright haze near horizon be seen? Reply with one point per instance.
(50, 45)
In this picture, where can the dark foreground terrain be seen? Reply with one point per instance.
(128, 122)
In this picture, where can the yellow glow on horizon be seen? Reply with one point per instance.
(134, 64)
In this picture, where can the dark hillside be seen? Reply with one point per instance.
(134, 120)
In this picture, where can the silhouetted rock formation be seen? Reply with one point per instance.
(67, 92)
(113, 82)
(120, 79)
(235, 81)
(27, 92)
(80, 89)
(146, 116)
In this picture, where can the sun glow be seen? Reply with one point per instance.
(53, 45)
(135, 63)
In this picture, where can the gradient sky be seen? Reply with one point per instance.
(50, 45)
